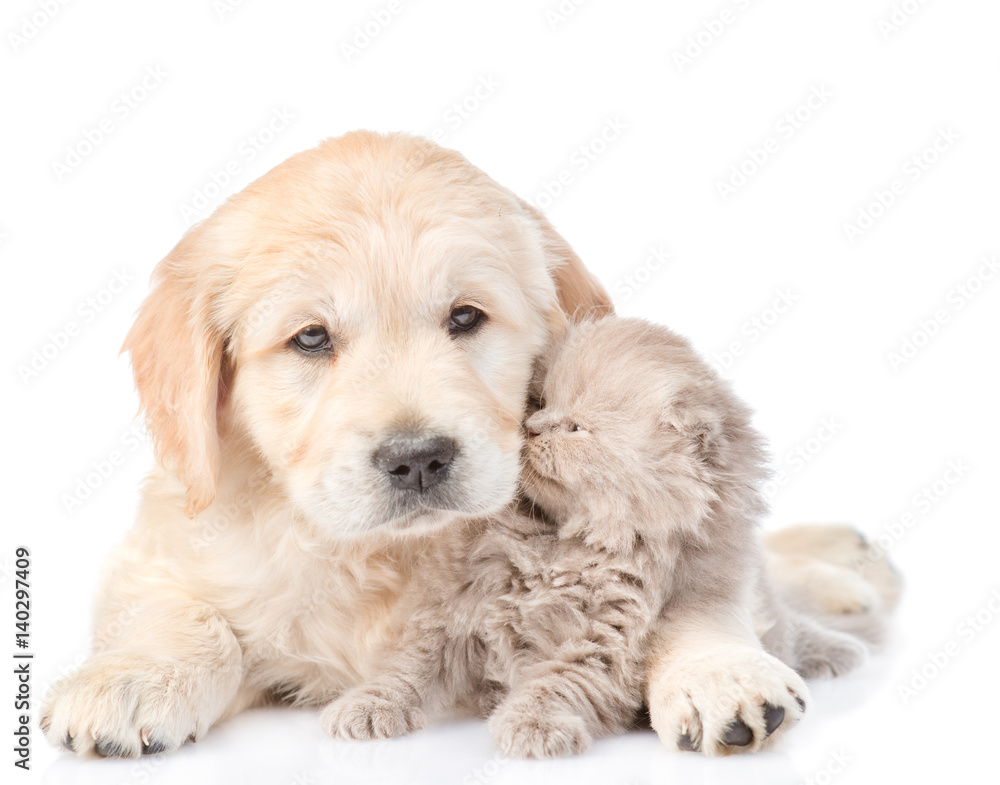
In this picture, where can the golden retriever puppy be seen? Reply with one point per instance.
(333, 366)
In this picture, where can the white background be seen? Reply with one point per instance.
(892, 429)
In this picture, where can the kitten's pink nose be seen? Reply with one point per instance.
(533, 425)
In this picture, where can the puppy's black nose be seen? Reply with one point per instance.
(415, 464)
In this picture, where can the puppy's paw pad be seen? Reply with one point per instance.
(734, 701)
(686, 744)
(737, 734)
(775, 715)
(363, 716)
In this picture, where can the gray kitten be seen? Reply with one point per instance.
(643, 481)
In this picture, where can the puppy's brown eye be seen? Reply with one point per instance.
(464, 319)
(312, 339)
(570, 425)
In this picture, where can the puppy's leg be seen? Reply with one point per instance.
(166, 668)
(712, 688)
(392, 702)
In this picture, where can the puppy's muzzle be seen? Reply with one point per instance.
(414, 463)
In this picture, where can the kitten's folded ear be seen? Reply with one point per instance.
(708, 439)
(698, 426)
(720, 434)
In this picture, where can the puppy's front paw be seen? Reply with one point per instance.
(120, 706)
(736, 700)
(525, 727)
(367, 713)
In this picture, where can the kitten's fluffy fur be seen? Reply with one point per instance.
(644, 477)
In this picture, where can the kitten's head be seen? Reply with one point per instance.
(636, 430)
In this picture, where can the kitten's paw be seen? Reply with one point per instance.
(826, 654)
(367, 713)
(734, 700)
(528, 728)
(122, 706)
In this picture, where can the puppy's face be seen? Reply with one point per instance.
(633, 427)
(379, 304)
(382, 390)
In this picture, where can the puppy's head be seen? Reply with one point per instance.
(364, 319)
(635, 428)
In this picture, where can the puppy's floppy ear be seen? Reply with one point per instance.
(581, 295)
(177, 358)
